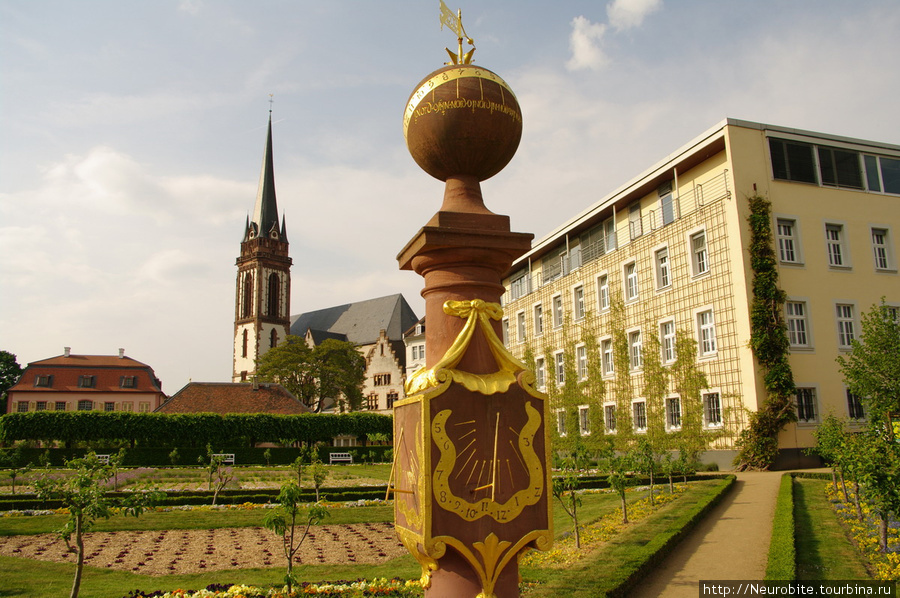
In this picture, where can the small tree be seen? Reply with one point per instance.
(12, 459)
(618, 480)
(174, 456)
(267, 455)
(215, 468)
(829, 445)
(84, 496)
(565, 486)
(115, 462)
(319, 472)
(283, 520)
(645, 462)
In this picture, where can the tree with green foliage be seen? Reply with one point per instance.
(872, 369)
(284, 519)
(618, 467)
(84, 495)
(876, 464)
(215, 468)
(10, 371)
(830, 445)
(689, 381)
(13, 460)
(567, 482)
(331, 371)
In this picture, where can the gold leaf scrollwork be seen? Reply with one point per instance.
(478, 314)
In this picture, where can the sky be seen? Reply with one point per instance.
(132, 134)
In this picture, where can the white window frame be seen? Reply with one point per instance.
(521, 334)
(670, 425)
(883, 252)
(807, 390)
(504, 329)
(707, 336)
(634, 416)
(635, 221)
(635, 350)
(556, 307)
(662, 267)
(837, 251)
(610, 235)
(631, 281)
(578, 306)
(559, 367)
(791, 319)
(718, 411)
(788, 243)
(603, 302)
(699, 257)
(607, 357)
(581, 365)
(561, 422)
(584, 420)
(607, 409)
(667, 341)
(847, 326)
(538, 310)
(540, 372)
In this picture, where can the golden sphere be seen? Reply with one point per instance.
(462, 120)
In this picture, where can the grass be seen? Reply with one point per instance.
(782, 552)
(823, 550)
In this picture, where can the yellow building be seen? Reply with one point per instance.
(672, 247)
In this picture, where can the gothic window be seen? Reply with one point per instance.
(244, 344)
(274, 296)
(273, 339)
(247, 296)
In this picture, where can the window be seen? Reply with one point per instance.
(560, 361)
(712, 409)
(797, 323)
(247, 296)
(244, 344)
(792, 161)
(806, 405)
(673, 413)
(609, 233)
(538, 319)
(788, 245)
(631, 281)
(706, 324)
(845, 325)
(634, 350)
(540, 372)
(128, 406)
(128, 381)
(392, 397)
(840, 168)
(557, 311)
(603, 292)
(581, 362)
(667, 341)
(662, 268)
(666, 205)
(609, 418)
(381, 379)
(43, 381)
(639, 416)
(144, 407)
(834, 244)
(882, 174)
(520, 326)
(85, 381)
(109, 406)
(85, 405)
(699, 257)
(22, 407)
(635, 228)
(552, 265)
(60, 405)
(40, 406)
(606, 356)
(372, 402)
(519, 286)
(273, 338)
(504, 327)
(578, 302)
(880, 249)
(855, 407)
(592, 244)
(584, 420)
(273, 299)
(561, 422)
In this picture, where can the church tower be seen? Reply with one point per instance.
(263, 291)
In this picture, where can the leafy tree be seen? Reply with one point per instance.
(12, 459)
(877, 467)
(645, 461)
(565, 486)
(84, 495)
(215, 468)
(872, 369)
(283, 520)
(332, 370)
(10, 370)
(618, 479)
(830, 446)
(318, 472)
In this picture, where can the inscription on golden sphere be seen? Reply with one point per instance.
(462, 120)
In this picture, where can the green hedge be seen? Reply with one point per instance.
(782, 564)
(187, 429)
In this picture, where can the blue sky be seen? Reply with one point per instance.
(131, 137)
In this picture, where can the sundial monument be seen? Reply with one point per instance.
(470, 479)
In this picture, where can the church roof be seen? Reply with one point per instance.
(360, 322)
(265, 211)
(233, 397)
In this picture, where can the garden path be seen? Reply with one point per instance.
(731, 543)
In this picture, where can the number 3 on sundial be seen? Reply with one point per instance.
(488, 464)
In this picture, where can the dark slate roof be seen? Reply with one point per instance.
(360, 322)
(107, 370)
(233, 397)
(265, 212)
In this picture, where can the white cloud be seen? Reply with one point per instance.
(585, 42)
(627, 14)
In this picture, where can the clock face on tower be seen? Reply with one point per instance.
(488, 462)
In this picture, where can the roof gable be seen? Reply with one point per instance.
(360, 322)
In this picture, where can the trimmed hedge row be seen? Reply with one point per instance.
(187, 429)
(782, 564)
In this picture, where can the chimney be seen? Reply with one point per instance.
(255, 383)
(66, 351)
(121, 353)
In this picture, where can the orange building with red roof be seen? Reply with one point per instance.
(71, 382)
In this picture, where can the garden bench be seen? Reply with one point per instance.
(103, 459)
(227, 458)
(339, 458)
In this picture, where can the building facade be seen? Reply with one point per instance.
(667, 256)
(70, 382)
(263, 288)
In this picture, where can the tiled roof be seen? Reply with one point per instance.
(360, 322)
(108, 372)
(233, 397)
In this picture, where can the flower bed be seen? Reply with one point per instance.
(865, 535)
(391, 588)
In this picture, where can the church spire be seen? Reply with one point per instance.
(265, 213)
